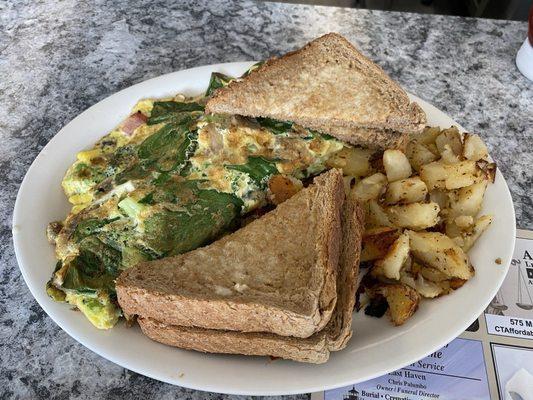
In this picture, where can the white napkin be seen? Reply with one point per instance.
(520, 383)
(524, 59)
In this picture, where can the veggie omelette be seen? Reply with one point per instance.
(169, 179)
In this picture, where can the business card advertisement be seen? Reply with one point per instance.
(457, 371)
(514, 371)
(511, 312)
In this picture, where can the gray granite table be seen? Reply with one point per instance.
(58, 58)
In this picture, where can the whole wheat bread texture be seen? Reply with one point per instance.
(316, 348)
(276, 274)
(327, 85)
(380, 139)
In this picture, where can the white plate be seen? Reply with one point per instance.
(376, 348)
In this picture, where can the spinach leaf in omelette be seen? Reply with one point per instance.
(275, 126)
(168, 111)
(205, 215)
(169, 148)
(202, 215)
(252, 68)
(139, 170)
(283, 127)
(258, 169)
(94, 269)
(166, 150)
(217, 81)
(90, 227)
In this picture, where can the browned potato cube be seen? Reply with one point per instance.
(448, 157)
(439, 175)
(431, 274)
(433, 148)
(404, 191)
(453, 231)
(394, 258)
(353, 161)
(445, 286)
(451, 139)
(396, 165)
(474, 149)
(418, 155)
(403, 301)
(283, 187)
(439, 251)
(376, 215)
(428, 136)
(456, 283)
(376, 242)
(464, 222)
(427, 288)
(470, 236)
(440, 197)
(414, 216)
(370, 188)
(488, 170)
(467, 200)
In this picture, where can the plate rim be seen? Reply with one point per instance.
(208, 387)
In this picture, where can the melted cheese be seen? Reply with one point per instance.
(143, 131)
(145, 106)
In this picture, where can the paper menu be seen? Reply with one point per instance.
(511, 311)
(459, 367)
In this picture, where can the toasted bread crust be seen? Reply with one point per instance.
(157, 290)
(339, 329)
(328, 247)
(378, 139)
(314, 349)
(327, 85)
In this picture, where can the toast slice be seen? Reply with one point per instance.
(315, 349)
(277, 274)
(329, 86)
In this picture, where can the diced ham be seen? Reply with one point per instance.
(133, 122)
(216, 143)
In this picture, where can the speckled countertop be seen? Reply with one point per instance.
(58, 58)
